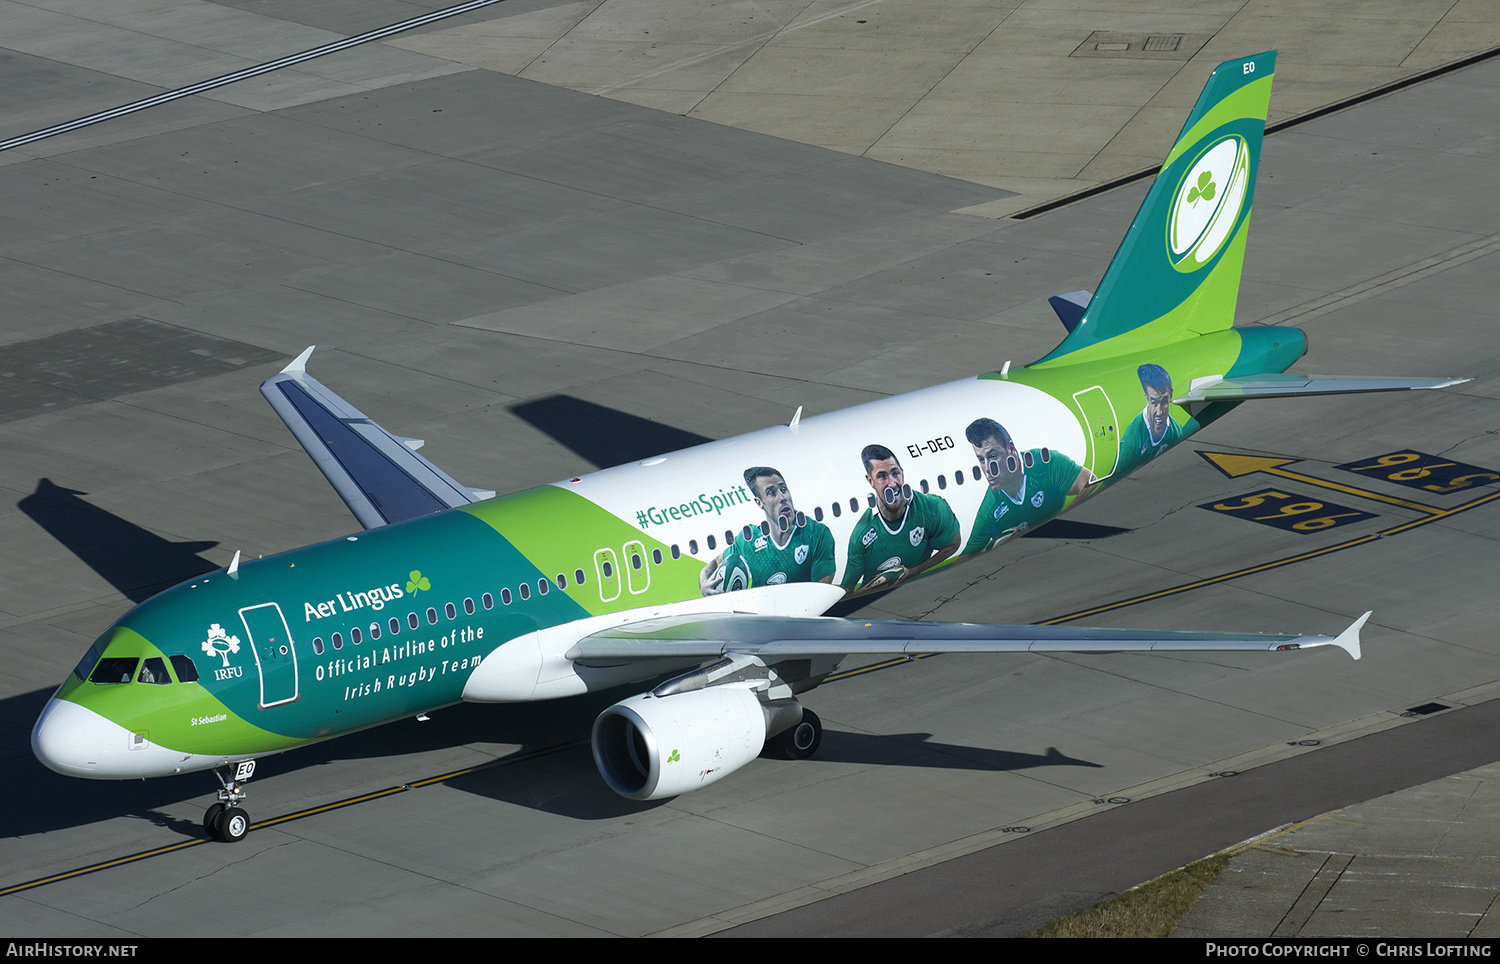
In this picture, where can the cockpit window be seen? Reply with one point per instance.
(116, 669)
(86, 664)
(184, 668)
(154, 670)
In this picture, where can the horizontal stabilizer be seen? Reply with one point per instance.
(711, 635)
(1070, 306)
(378, 475)
(1216, 388)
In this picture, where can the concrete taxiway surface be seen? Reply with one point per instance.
(539, 281)
(1419, 861)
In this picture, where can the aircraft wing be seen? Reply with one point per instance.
(379, 476)
(711, 635)
(1216, 388)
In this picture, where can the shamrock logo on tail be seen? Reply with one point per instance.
(417, 582)
(1204, 190)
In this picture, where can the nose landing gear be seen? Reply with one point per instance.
(225, 820)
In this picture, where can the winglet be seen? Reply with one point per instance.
(299, 364)
(1348, 640)
(796, 421)
(234, 565)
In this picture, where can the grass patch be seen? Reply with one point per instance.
(1151, 910)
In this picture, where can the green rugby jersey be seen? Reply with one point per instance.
(1136, 447)
(928, 526)
(807, 557)
(1046, 488)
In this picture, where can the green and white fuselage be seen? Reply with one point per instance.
(639, 534)
(608, 578)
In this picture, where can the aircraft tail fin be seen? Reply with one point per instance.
(1177, 273)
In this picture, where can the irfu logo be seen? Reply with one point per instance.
(220, 643)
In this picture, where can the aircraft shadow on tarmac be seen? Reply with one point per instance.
(137, 562)
(568, 785)
(603, 436)
(1074, 531)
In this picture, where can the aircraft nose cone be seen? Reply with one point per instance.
(70, 739)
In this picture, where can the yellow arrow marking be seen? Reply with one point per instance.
(1236, 465)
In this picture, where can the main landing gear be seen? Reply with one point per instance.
(225, 820)
(802, 740)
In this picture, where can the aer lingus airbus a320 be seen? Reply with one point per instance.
(714, 563)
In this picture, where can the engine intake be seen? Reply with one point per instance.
(650, 747)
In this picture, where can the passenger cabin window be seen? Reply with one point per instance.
(431, 616)
(355, 637)
(317, 650)
(976, 469)
(450, 610)
(338, 640)
(469, 605)
(818, 513)
(578, 576)
(488, 600)
(413, 620)
(525, 591)
(114, 670)
(505, 596)
(395, 626)
(541, 586)
(374, 631)
(656, 556)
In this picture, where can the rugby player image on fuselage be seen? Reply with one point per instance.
(787, 547)
(1024, 487)
(906, 533)
(1154, 431)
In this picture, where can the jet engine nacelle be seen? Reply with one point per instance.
(649, 747)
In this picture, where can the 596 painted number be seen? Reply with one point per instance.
(1285, 510)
